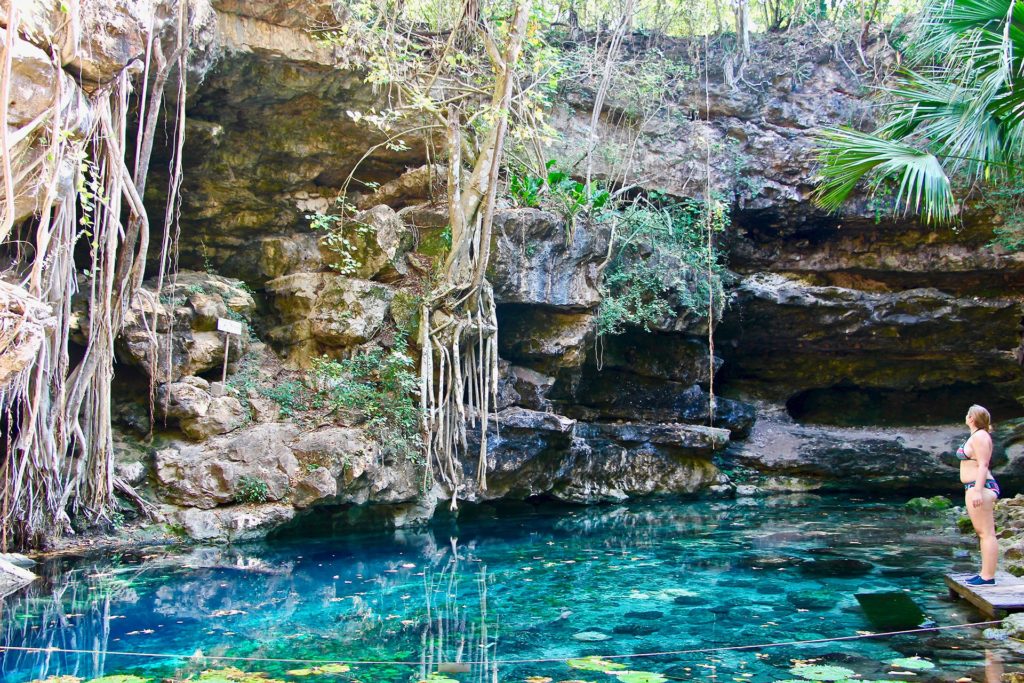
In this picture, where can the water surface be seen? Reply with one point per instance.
(533, 585)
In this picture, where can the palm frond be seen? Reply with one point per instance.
(848, 156)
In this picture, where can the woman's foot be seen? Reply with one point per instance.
(976, 580)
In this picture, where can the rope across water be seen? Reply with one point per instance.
(500, 662)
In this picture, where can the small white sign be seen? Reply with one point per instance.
(229, 326)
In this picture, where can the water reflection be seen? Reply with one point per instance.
(586, 581)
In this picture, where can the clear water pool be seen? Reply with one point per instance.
(530, 585)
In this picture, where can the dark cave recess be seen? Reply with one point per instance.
(853, 406)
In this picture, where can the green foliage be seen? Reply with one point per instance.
(377, 384)
(567, 195)
(291, 395)
(251, 490)
(662, 264)
(380, 385)
(525, 189)
(955, 111)
(929, 505)
(572, 196)
(1006, 201)
(175, 529)
(341, 236)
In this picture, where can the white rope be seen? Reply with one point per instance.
(319, 662)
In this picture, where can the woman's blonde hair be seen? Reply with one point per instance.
(982, 420)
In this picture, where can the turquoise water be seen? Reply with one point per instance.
(528, 585)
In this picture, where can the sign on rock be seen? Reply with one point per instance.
(229, 326)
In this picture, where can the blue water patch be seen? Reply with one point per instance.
(517, 596)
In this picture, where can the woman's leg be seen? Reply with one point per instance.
(983, 519)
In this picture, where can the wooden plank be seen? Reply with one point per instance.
(1007, 595)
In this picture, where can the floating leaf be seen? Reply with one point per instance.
(66, 678)
(538, 679)
(912, 663)
(822, 673)
(233, 674)
(594, 664)
(591, 636)
(119, 678)
(333, 668)
(438, 678)
(640, 677)
(300, 672)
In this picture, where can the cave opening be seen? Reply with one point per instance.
(855, 406)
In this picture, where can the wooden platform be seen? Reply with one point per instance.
(1007, 595)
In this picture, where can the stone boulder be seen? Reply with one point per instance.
(279, 255)
(13, 577)
(622, 460)
(615, 394)
(542, 339)
(378, 241)
(208, 475)
(186, 341)
(355, 463)
(533, 453)
(200, 415)
(531, 388)
(321, 311)
(532, 264)
(234, 524)
(412, 187)
(674, 357)
(789, 336)
(782, 455)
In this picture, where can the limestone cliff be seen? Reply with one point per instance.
(835, 324)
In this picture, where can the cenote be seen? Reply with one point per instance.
(552, 586)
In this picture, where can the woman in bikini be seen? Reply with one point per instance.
(980, 491)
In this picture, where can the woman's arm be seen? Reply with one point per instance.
(982, 448)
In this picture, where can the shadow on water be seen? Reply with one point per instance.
(575, 587)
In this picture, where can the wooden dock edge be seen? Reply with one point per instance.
(1007, 595)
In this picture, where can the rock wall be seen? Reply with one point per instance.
(833, 322)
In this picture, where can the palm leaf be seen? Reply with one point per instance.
(848, 156)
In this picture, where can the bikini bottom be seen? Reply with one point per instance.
(990, 484)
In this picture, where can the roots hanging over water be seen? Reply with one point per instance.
(459, 323)
(56, 413)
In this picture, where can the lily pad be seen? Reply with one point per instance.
(231, 674)
(918, 663)
(595, 664)
(823, 673)
(66, 678)
(119, 678)
(538, 679)
(640, 677)
(438, 678)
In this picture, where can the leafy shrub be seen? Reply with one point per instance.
(661, 264)
(569, 196)
(380, 385)
(292, 396)
(251, 490)
(525, 190)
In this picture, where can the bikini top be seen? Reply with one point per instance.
(961, 454)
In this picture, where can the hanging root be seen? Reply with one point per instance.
(58, 453)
